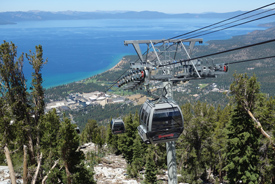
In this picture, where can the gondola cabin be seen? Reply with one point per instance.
(117, 126)
(77, 130)
(160, 122)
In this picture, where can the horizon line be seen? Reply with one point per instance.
(113, 11)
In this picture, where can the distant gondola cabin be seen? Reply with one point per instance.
(160, 122)
(117, 126)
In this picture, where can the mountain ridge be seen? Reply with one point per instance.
(75, 15)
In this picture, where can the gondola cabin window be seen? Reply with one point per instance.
(166, 119)
(117, 126)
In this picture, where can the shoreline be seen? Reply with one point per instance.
(123, 60)
(116, 67)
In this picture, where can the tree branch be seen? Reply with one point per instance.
(260, 128)
(46, 177)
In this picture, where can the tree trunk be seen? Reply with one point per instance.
(11, 170)
(37, 169)
(31, 149)
(68, 173)
(25, 165)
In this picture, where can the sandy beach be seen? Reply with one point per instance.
(117, 66)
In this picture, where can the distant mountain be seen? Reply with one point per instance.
(74, 15)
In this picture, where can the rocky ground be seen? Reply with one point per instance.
(113, 169)
(5, 176)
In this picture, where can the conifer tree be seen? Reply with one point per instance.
(220, 139)
(90, 132)
(71, 158)
(112, 141)
(14, 98)
(109, 136)
(138, 158)
(196, 142)
(49, 145)
(38, 104)
(126, 140)
(242, 149)
(243, 137)
(150, 167)
(260, 110)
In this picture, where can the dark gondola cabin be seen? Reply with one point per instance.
(117, 126)
(160, 122)
(77, 130)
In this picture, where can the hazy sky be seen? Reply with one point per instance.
(166, 6)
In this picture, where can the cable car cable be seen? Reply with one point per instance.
(225, 21)
(234, 21)
(225, 24)
(232, 26)
(222, 52)
(222, 21)
(199, 30)
(214, 32)
(121, 75)
(248, 60)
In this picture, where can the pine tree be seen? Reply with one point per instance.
(49, 137)
(260, 111)
(37, 62)
(197, 152)
(138, 158)
(71, 158)
(242, 149)
(49, 146)
(112, 141)
(220, 139)
(90, 132)
(14, 98)
(150, 167)
(243, 137)
(126, 140)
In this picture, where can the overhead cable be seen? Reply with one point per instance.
(116, 81)
(248, 60)
(221, 30)
(222, 52)
(208, 33)
(222, 21)
(232, 22)
(233, 25)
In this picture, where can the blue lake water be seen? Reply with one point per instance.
(78, 49)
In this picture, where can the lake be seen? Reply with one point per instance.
(78, 49)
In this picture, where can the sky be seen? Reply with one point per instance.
(166, 6)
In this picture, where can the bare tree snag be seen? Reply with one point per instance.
(25, 165)
(11, 170)
(37, 169)
(260, 128)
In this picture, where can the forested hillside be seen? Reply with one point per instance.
(218, 145)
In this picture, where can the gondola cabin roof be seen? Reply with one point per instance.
(117, 126)
(160, 122)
